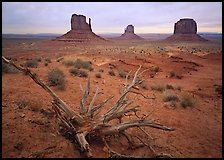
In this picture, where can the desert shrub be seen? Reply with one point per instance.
(169, 97)
(172, 74)
(6, 68)
(218, 88)
(56, 78)
(22, 104)
(35, 106)
(33, 63)
(68, 63)
(169, 86)
(90, 69)
(82, 64)
(98, 75)
(48, 60)
(157, 69)
(187, 100)
(122, 74)
(111, 72)
(77, 72)
(158, 87)
(45, 63)
(101, 70)
(151, 75)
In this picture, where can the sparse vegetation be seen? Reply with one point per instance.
(169, 97)
(101, 70)
(157, 69)
(218, 88)
(169, 86)
(77, 72)
(111, 72)
(48, 60)
(81, 64)
(158, 87)
(187, 100)
(32, 63)
(174, 75)
(68, 63)
(56, 78)
(144, 86)
(9, 69)
(98, 75)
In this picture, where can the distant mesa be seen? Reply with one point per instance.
(80, 31)
(185, 30)
(129, 34)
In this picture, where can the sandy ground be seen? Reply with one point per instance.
(30, 130)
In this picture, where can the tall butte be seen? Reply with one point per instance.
(129, 34)
(185, 30)
(80, 31)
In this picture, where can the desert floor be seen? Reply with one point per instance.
(28, 131)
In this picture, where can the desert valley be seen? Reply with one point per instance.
(182, 90)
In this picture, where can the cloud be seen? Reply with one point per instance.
(107, 16)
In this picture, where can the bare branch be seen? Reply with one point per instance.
(92, 102)
(84, 98)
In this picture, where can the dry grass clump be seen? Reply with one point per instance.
(122, 73)
(77, 72)
(79, 64)
(56, 78)
(169, 86)
(9, 69)
(187, 100)
(32, 63)
(98, 75)
(218, 88)
(112, 73)
(169, 97)
(172, 74)
(144, 85)
(158, 87)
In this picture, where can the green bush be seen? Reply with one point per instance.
(56, 78)
(111, 72)
(33, 63)
(169, 97)
(68, 63)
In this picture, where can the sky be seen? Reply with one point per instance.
(109, 17)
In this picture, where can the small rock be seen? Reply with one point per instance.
(22, 115)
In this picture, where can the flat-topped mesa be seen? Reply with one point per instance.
(185, 26)
(78, 22)
(80, 31)
(185, 30)
(129, 34)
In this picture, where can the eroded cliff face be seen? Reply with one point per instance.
(78, 22)
(185, 26)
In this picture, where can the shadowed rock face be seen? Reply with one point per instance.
(129, 29)
(80, 31)
(78, 22)
(185, 26)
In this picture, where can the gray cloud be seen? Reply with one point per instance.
(106, 16)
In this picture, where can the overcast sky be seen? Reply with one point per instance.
(109, 17)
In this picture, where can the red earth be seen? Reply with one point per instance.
(30, 129)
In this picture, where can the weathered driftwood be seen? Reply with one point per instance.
(88, 121)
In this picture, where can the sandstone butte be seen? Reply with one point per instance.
(81, 31)
(185, 30)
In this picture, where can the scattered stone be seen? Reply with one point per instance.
(22, 115)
